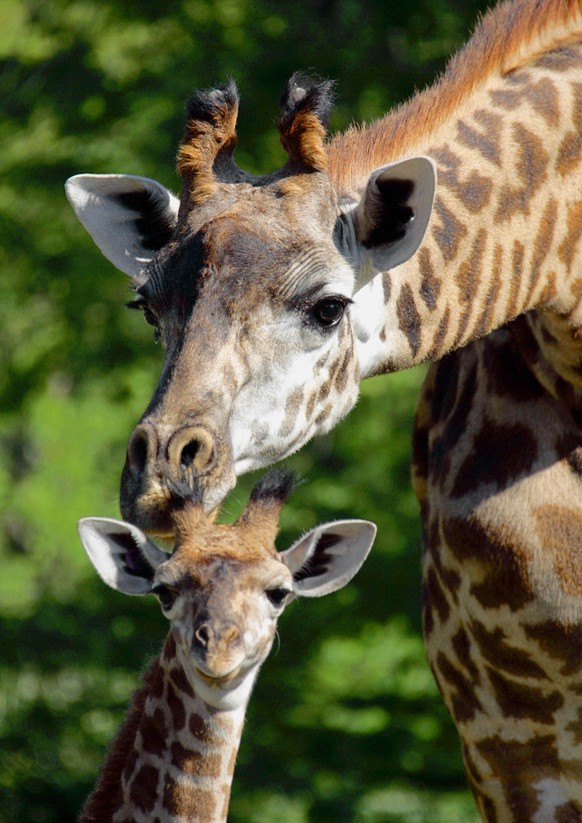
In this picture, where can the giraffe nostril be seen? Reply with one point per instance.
(202, 635)
(138, 450)
(192, 448)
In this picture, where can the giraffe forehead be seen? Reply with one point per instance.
(212, 570)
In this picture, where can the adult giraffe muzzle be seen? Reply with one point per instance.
(252, 285)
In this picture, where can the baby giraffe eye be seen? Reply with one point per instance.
(277, 596)
(166, 596)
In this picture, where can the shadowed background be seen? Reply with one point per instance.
(345, 723)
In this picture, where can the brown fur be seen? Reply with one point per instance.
(507, 37)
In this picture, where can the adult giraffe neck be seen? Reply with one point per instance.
(504, 233)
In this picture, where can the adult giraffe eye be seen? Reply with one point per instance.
(329, 311)
(166, 596)
(277, 596)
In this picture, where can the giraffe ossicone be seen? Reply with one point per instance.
(222, 590)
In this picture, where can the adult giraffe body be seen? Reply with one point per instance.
(251, 290)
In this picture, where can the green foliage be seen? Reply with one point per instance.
(345, 723)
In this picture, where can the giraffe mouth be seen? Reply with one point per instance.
(217, 682)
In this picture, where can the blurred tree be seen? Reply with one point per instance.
(345, 723)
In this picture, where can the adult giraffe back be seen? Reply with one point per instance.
(275, 296)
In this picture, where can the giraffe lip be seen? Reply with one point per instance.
(217, 682)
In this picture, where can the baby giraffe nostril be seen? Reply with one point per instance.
(203, 635)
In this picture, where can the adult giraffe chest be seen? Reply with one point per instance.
(497, 471)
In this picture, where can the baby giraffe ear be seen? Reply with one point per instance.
(328, 556)
(123, 556)
(389, 222)
(128, 217)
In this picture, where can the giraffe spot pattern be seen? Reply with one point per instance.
(154, 734)
(467, 278)
(486, 142)
(494, 443)
(143, 790)
(176, 707)
(531, 169)
(199, 764)
(430, 286)
(542, 96)
(506, 579)
(542, 245)
(495, 647)
(449, 234)
(464, 703)
(408, 317)
(570, 150)
(524, 701)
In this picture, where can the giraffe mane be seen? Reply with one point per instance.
(507, 37)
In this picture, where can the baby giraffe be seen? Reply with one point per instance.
(222, 589)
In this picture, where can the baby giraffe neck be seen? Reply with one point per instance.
(176, 755)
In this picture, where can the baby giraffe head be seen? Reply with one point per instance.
(224, 587)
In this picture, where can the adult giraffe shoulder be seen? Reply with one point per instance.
(222, 589)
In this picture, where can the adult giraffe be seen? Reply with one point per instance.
(270, 301)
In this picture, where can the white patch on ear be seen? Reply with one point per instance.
(128, 217)
(123, 556)
(390, 221)
(328, 556)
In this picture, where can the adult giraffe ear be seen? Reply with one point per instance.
(388, 224)
(326, 558)
(123, 556)
(128, 217)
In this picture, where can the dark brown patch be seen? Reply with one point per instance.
(342, 372)
(560, 531)
(542, 96)
(435, 597)
(440, 335)
(408, 318)
(467, 278)
(541, 247)
(568, 813)
(506, 576)
(512, 446)
(523, 764)
(176, 707)
(570, 151)
(523, 701)
(484, 323)
(464, 703)
(465, 653)
(449, 234)
(182, 683)
(154, 733)
(507, 374)
(575, 728)
(531, 165)
(430, 285)
(485, 142)
(496, 649)
(143, 789)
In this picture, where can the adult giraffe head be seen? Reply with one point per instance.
(251, 284)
